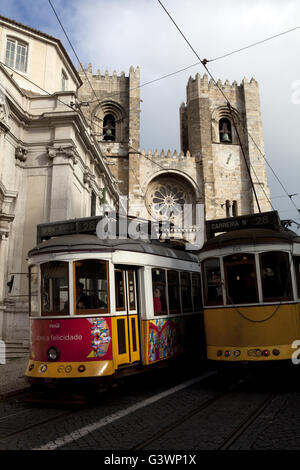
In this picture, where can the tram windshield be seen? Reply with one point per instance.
(91, 286)
(55, 288)
(212, 282)
(297, 271)
(276, 276)
(240, 275)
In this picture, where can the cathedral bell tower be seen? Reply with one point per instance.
(208, 132)
(114, 116)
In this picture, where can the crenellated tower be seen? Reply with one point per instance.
(207, 130)
(114, 115)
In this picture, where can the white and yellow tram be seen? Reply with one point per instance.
(251, 294)
(105, 308)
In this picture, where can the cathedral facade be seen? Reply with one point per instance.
(221, 147)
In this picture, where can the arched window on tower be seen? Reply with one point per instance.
(225, 131)
(109, 128)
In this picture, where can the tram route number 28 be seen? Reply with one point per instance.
(296, 354)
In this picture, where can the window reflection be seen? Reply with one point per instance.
(159, 291)
(91, 286)
(240, 274)
(212, 282)
(55, 288)
(173, 291)
(276, 276)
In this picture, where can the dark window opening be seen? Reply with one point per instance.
(93, 204)
(227, 208)
(173, 291)
(234, 209)
(121, 336)
(133, 329)
(119, 288)
(91, 286)
(212, 282)
(131, 290)
(276, 276)
(186, 290)
(225, 131)
(109, 128)
(240, 274)
(196, 291)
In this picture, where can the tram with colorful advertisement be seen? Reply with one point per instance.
(251, 289)
(102, 309)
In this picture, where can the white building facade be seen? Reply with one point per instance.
(51, 166)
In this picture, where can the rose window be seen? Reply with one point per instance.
(166, 199)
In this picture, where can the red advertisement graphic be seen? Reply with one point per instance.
(77, 340)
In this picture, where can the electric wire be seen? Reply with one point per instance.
(204, 62)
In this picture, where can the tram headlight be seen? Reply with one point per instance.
(276, 352)
(53, 353)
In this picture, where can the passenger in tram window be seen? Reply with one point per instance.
(82, 300)
(157, 300)
(271, 284)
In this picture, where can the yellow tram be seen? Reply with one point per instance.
(251, 289)
(106, 308)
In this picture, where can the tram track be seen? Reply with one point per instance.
(233, 436)
(219, 390)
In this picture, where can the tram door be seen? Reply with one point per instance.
(127, 344)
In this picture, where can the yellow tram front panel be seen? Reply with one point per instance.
(252, 333)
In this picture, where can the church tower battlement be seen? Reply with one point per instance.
(212, 134)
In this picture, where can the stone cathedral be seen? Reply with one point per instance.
(209, 168)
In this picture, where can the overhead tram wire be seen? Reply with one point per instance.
(253, 44)
(75, 53)
(204, 62)
(73, 49)
(208, 60)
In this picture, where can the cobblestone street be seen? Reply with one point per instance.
(236, 411)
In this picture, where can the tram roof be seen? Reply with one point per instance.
(251, 236)
(91, 243)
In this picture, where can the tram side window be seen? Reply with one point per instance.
(55, 288)
(212, 282)
(91, 286)
(131, 290)
(33, 290)
(276, 276)
(159, 291)
(186, 289)
(297, 272)
(173, 291)
(120, 293)
(240, 274)
(196, 291)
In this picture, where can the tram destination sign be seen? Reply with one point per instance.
(268, 220)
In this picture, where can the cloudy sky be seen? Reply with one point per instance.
(115, 34)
